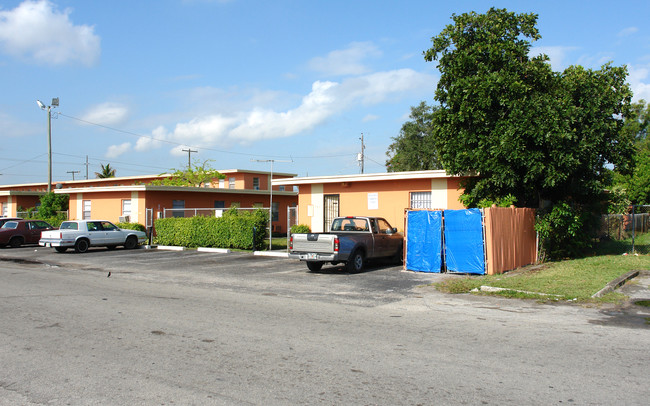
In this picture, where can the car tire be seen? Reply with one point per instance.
(61, 249)
(356, 262)
(314, 266)
(16, 242)
(131, 242)
(81, 246)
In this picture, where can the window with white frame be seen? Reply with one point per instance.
(126, 207)
(222, 183)
(86, 210)
(256, 183)
(5, 209)
(231, 183)
(420, 200)
(281, 188)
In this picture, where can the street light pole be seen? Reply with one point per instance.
(55, 103)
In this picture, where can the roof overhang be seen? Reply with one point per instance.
(160, 188)
(368, 177)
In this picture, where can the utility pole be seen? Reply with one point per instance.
(73, 172)
(361, 156)
(189, 157)
(271, 197)
(86, 168)
(55, 103)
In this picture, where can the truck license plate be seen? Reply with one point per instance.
(312, 256)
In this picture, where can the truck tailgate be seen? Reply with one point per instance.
(313, 243)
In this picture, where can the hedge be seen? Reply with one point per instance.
(131, 226)
(233, 230)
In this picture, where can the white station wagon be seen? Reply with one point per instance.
(83, 234)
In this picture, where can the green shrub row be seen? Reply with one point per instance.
(233, 230)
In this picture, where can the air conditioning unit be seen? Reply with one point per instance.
(125, 219)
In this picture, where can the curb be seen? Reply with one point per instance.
(217, 250)
(271, 254)
(620, 281)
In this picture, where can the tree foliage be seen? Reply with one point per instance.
(413, 149)
(52, 203)
(197, 175)
(106, 172)
(635, 187)
(529, 132)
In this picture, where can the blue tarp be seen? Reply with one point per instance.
(464, 241)
(424, 241)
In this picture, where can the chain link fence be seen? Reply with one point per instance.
(631, 229)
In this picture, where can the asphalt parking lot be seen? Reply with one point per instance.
(379, 283)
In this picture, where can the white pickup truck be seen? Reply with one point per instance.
(83, 234)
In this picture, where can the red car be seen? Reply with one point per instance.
(19, 232)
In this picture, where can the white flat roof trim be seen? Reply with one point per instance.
(187, 189)
(434, 174)
(20, 193)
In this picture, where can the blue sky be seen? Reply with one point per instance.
(246, 80)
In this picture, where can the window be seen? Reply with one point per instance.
(256, 183)
(178, 204)
(219, 204)
(231, 183)
(126, 207)
(420, 200)
(5, 209)
(384, 227)
(86, 210)
(281, 188)
(258, 205)
(275, 212)
(222, 183)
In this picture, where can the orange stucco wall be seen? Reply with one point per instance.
(393, 196)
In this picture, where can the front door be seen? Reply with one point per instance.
(331, 210)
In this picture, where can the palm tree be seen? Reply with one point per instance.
(107, 172)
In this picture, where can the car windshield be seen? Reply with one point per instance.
(69, 226)
(10, 224)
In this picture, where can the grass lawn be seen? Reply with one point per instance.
(575, 279)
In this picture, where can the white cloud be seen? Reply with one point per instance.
(370, 117)
(639, 80)
(115, 151)
(38, 32)
(347, 61)
(557, 55)
(326, 99)
(107, 114)
(627, 31)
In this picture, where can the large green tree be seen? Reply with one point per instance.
(527, 131)
(413, 149)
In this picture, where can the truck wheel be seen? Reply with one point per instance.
(81, 246)
(355, 262)
(314, 266)
(16, 242)
(61, 249)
